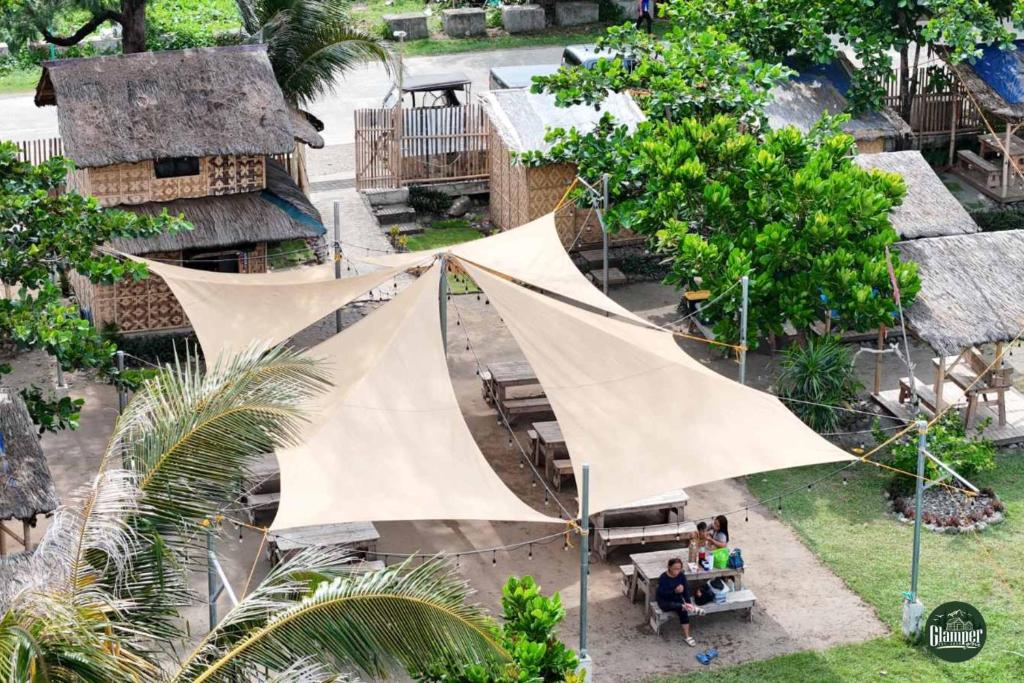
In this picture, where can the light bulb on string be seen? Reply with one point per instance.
(746, 514)
(529, 555)
(494, 558)
(845, 479)
(510, 441)
(546, 502)
(643, 536)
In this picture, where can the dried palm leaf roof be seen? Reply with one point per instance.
(996, 80)
(152, 105)
(929, 209)
(26, 487)
(972, 291)
(821, 89)
(281, 212)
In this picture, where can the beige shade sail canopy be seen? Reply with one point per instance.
(646, 416)
(389, 441)
(231, 312)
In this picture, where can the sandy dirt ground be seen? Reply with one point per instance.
(801, 605)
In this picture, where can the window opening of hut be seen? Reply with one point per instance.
(217, 262)
(176, 167)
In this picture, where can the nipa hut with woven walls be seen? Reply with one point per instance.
(26, 488)
(519, 194)
(194, 132)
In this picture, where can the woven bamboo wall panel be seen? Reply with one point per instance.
(137, 183)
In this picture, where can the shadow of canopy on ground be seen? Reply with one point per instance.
(645, 415)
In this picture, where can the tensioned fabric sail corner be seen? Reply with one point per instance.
(389, 441)
(231, 312)
(641, 411)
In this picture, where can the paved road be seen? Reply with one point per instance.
(20, 119)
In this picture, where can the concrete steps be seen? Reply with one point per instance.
(595, 258)
(615, 277)
(393, 215)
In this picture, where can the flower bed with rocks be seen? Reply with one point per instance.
(950, 511)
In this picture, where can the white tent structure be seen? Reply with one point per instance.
(389, 442)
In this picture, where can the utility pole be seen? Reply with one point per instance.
(913, 610)
(337, 258)
(604, 230)
(745, 285)
(122, 393)
(586, 663)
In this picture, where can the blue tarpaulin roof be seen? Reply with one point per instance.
(1003, 71)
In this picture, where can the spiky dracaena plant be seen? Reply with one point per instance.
(310, 43)
(99, 599)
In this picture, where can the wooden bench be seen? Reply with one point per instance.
(486, 389)
(628, 584)
(608, 538)
(971, 162)
(741, 600)
(531, 405)
(531, 434)
(560, 469)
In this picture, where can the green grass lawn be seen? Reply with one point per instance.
(20, 80)
(448, 232)
(846, 526)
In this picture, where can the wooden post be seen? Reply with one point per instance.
(1006, 159)
(1000, 395)
(3, 540)
(878, 359)
(25, 535)
(955, 99)
(940, 380)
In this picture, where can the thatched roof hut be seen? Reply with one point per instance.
(26, 488)
(179, 103)
(522, 118)
(972, 289)
(280, 212)
(996, 80)
(821, 89)
(929, 209)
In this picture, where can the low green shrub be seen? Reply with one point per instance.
(528, 634)
(818, 376)
(995, 220)
(948, 440)
(289, 254)
(428, 200)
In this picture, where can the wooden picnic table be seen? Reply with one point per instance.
(362, 536)
(507, 374)
(648, 567)
(550, 443)
(671, 503)
(990, 144)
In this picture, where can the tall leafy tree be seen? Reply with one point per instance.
(32, 18)
(684, 73)
(98, 600)
(48, 231)
(872, 29)
(793, 211)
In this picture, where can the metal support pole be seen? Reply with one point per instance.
(61, 384)
(745, 285)
(442, 302)
(122, 393)
(913, 609)
(337, 258)
(604, 231)
(585, 661)
(211, 580)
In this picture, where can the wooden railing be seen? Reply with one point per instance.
(396, 147)
(931, 113)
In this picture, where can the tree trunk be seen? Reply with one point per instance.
(133, 26)
(906, 97)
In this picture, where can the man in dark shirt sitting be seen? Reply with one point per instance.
(674, 596)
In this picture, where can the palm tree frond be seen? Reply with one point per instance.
(402, 617)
